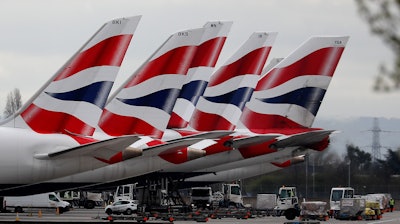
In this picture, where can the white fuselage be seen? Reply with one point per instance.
(18, 164)
(143, 165)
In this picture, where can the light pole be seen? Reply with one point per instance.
(348, 163)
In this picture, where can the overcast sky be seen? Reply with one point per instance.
(37, 37)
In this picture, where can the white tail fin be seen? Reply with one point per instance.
(144, 103)
(73, 99)
(232, 85)
(199, 73)
(290, 94)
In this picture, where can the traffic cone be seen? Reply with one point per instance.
(17, 217)
(57, 211)
(40, 213)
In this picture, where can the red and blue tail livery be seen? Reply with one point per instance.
(199, 73)
(144, 103)
(290, 94)
(232, 85)
(74, 98)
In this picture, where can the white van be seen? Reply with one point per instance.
(46, 200)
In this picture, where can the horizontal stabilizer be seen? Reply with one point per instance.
(170, 146)
(100, 149)
(252, 140)
(206, 135)
(303, 139)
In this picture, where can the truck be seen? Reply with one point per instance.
(201, 197)
(229, 195)
(125, 192)
(337, 193)
(88, 200)
(45, 200)
(285, 203)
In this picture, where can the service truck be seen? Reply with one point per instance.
(84, 199)
(338, 193)
(45, 200)
(285, 203)
(201, 197)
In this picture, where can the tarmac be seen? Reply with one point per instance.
(97, 215)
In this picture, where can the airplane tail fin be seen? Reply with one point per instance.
(73, 99)
(231, 86)
(143, 104)
(290, 94)
(199, 72)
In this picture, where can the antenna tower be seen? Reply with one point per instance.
(376, 143)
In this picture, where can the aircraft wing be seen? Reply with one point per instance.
(303, 139)
(206, 135)
(102, 149)
(252, 140)
(170, 146)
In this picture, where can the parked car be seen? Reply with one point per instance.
(126, 207)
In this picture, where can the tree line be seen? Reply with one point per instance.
(321, 171)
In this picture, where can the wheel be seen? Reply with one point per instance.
(18, 209)
(290, 214)
(89, 204)
(128, 211)
(109, 212)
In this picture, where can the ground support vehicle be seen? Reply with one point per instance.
(381, 199)
(351, 208)
(84, 199)
(372, 211)
(227, 196)
(201, 197)
(337, 193)
(285, 203)
(239, 213)
(314, 210)
(265, 205)
(138, 217)
(176, 213)
(45, 200)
